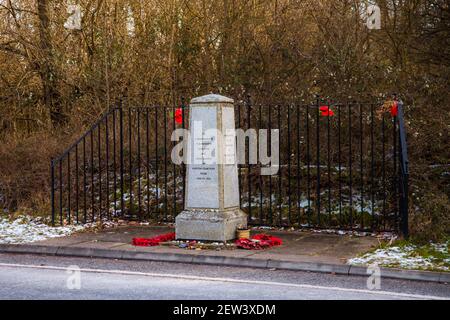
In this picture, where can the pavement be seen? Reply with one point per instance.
(301, 251)
(50, 277)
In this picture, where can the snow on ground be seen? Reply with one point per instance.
(25, 229)
(408, 257)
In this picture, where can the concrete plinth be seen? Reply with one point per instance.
(207, 225)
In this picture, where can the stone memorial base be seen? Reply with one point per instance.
(209, 224)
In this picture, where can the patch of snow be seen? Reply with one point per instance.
(25, 229)
(405, 257)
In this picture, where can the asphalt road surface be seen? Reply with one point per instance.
(43, 277)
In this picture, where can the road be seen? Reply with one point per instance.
(43, 277)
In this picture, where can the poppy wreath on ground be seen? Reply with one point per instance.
(274, 241)
(150, 242)
(258, 242)
(249, 244)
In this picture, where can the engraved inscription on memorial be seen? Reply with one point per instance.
(203, 172)
(205, 149)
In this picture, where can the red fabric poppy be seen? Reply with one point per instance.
(394, 109)
(258, 242)
(179, 116)
(150, 242)
(251, 245)
(274, 241)
(326, 111)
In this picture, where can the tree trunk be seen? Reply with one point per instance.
(47, 72)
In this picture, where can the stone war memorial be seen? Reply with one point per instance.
(212, 209)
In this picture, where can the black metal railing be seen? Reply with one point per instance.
(342, 165)
(338, 169)
(120, 168)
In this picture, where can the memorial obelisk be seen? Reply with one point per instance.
(212, 209)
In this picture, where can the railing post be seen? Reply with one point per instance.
(60, 161)
(318, 159)
(248, 106)
(122, 202)
(183, 165)
(403, 172)
(404, 207)
(52, 189)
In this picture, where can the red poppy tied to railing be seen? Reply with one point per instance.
(394, 109)
(179, 116)
(326, 111)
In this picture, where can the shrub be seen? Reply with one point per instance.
(430, 217)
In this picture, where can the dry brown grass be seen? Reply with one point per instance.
(24, 169)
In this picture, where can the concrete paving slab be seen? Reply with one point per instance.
(26, 248)
(229, 261)
(168, 250)
(444, 277)
(127, 233)
(348, 247)
(155, 249)
(297, 245)
(395, 273)
(268, 255)
(67, 241)
(309, 266)
(89, 252)
(98, 244)
(409, 274)
(156, 256)
(226, 253)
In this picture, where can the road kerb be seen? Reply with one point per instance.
(343, 269)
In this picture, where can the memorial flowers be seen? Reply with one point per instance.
(326, 111)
